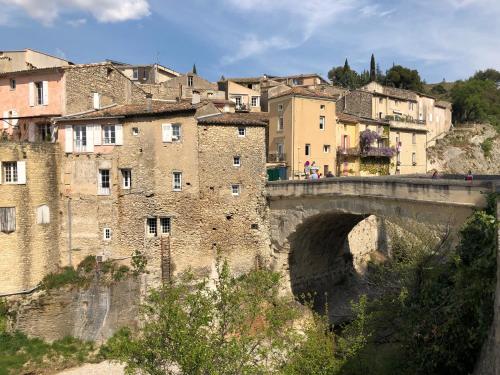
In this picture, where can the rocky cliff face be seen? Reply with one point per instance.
(475, 148)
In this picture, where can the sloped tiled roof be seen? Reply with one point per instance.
(126, 110)
(302, 91)
(347, 117)
(239, 118)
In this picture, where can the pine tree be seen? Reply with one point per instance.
(373, 71)
(346, 66)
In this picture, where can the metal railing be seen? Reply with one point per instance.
(349, 151)
(276, 157)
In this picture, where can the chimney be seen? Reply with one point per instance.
(149, 102)
(196, 98)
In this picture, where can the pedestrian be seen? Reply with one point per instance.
(469, 176)
(307, 169)
(314, 175)
(329, 174)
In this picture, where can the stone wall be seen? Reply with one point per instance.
(236, 225)
(84, 80)
(31, 251)
(94, 313)
(358, 103)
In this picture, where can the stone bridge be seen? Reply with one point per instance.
(311, 222)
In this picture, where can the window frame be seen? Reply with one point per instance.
(176, 187)
(80, 145)
(135, 73)
(9, 168)
(176, 138)
(240, 128)
(413, 138)
(280, 107)
(237, 161)
(327, 149)
(126, 175)
(190, 81)
(237, 192)
(168, 220)
(307, 149)
(108, 140)
(322, 123)
(39, 93)
(256, 98)
(107, 233)
(12, 84)
(104, 179)
(152, 220)
(10, 226)
(281, 123)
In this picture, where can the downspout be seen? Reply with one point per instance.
(69, 232)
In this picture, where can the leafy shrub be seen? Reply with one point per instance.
(67, 276)
(487, 146)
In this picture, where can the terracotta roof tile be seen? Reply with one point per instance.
(250, 118)
(302, 91)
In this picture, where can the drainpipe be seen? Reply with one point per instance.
(69, 232)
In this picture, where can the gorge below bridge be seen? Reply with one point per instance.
(323, 231)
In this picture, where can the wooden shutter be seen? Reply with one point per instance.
(166, 131)
(14, 121)
(21, 172)
(96, 100)
(7, 219)
(31, 132)
(68, 138)
(97, 135)
(31, 93)
(45, 92)
(53, 133)
(89, 129)
(43, 214)
(119, 135)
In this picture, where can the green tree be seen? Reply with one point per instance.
(438, 90)
(404, 78)
(344, 76)
(488, 74)
(235, 327)
(373, 69)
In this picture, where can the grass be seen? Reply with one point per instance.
(18, 351)
(67, 276)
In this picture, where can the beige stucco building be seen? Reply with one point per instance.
(13, 61)
(302, 127)
(244, 98)
(146, 74)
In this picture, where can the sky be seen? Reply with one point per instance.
(442, 39)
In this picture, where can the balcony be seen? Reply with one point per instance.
(405, 122)
(275, 157)
(348, 151)
(379, 152)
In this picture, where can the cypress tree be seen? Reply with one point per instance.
(373, 69)
(194, 69)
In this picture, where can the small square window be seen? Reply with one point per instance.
(242, 131)
(235, 190)
(106, 234)
(12, 84)
(321, 122)
(322, 107)
(151, 224)
(177, 181)
(255, 101)
(280, 107)
(326, 148)
(307, 149)
(190, 81)
(165, 225)
(135, 131)
(236, 161)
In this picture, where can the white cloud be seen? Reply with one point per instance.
(102, 10)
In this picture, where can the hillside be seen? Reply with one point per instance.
(475, 148)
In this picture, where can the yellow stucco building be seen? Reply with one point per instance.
(302, 128)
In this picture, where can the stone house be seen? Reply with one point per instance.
(176, 181)
(185, 86)
(27, 59)
(146, 74)
(302, 127)
(30, 98)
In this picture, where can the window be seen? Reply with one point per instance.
(414, 158)
(10, 175)
(12, 84)
(126, 178)
(280, 107)
(190, 81)
(322, 107)
(176, 132)
(165, 225)
(236, 161)
(380, 114)
(326, 148)
(104, 182)
(410, 106)
(321, 122)
(281, 123)
(242, 131)
(414, 138)
(135, 131)
(255, 101)
(307, 149)
(39, 93)
(210, 94)
(44, 132)
(135, 73)
(145, 74)
(43, 214)
(235, 190)
(237, 101)
(80, 138)
(96, 100)
(151, 226)
(177, 181)
(109, 134)
(106, 235)
(7, 219)
(281, 150)
(380, 100)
